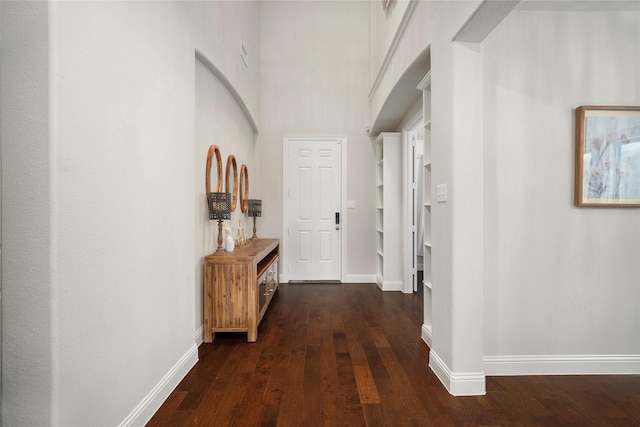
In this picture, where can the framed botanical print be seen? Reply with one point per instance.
(607, 170)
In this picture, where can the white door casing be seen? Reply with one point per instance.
(314, 192)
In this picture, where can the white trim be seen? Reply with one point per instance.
(143, 412)
(230, 87)
(199, 335)
(343, 199)
(393, 46)
(425, 82)
(620, 364)
(360, 278)
(409, 247)
(388, 285)
(426, 334)
(457, 383)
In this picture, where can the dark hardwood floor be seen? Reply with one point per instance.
(351, 355)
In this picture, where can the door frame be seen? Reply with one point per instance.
(410, 255)
(284, 248)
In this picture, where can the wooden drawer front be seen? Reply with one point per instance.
(230, 305)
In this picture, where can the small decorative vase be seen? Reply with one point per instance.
(229, 245)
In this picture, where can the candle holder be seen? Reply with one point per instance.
(255, 210)
(220, 209)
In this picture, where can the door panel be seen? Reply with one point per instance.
(312, 198)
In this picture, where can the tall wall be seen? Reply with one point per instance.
(559, 280)
(101, 218)
(385, 22)
(456, 353)
(313, 82)
(27, 351)
(227, 112)
(520, 276)
(220, 121)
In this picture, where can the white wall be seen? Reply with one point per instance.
(413, 35)
(122, 207)
(313, 82)
(559, 280)
(27, 353)
(99, 203)
(219, 121)
(384, 25)
(220, 28)
(456, 353)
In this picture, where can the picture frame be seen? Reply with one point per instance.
(607, 168)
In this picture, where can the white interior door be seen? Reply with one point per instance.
(313, 208)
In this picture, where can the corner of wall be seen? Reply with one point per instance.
(457, 383)
(143, 412)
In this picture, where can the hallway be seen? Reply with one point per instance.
(352, 355)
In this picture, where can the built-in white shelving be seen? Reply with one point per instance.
(388, 211)
(425, 86)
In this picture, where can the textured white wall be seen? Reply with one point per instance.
(384, 25)
(558, 279)
(313, 82)
(416, 36)
(457, 285)
(218, 121)
(27, 318)
(99, 229)
(122, 202)
(220, 28)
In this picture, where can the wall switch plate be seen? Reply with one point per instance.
(351, 204)
(441, 193)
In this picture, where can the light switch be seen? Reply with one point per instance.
(351, 204)
(441, 193)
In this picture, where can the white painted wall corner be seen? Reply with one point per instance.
(143, 412)
(457, 383)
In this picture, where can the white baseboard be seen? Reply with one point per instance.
(360, 278)
(349, 278)
(562, 365)
(199, 335)
(388, 285)
(457, 383)
(143, 412)
(426, 334)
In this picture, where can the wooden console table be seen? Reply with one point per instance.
(238, 287)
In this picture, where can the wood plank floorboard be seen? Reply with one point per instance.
(350, 355)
